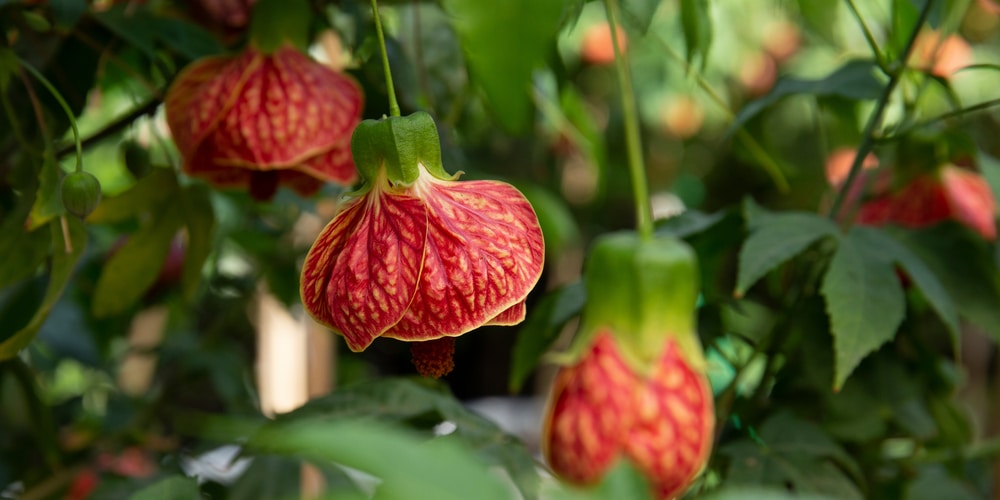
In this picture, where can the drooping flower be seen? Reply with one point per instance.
(259, 120)
(637, 389)
(416, 255)
(951, 192)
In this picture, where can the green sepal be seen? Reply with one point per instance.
(273, 23)
(399, 144)
(643, 292)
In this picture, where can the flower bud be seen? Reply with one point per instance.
(81, 192)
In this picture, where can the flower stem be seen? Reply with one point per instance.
(633, 143)
(876, 117)
(62, 103)
(393, 105)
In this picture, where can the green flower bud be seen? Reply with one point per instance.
(81, 192)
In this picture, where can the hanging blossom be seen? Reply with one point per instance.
(418, 256)
(258, 120)
(636, 388)
(948, 192)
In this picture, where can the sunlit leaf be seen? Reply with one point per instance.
(541, 328)
(134, 267)
(503, 43)
(64, 256)
(48, 199)
(864, 300)
(404, 464)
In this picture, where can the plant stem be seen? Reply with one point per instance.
(393, 105)
(946, 116)
(146, 108)
(62, 103)
(633, 142)
(868, 34)
(753, 148)
(876, 117)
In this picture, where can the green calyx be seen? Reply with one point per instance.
(398, 144)
(644, 292)
(274, 23)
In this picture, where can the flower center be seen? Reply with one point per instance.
(433, 358)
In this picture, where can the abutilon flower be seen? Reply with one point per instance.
(259, 120)
(418, 256)
(949, 193)
(637, 389)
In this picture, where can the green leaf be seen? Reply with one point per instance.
(281, 477)
(133, 269)
(22, 254)
(541, 329)
(408, 401)
(864, 300)
(8, 67)
(404, 464)
(48, 199)
(933, 482)
(793, 454)
(697, 27)
(171, 488)
(503, 43)
(154, 189)
(187, 39)
(964, 265)
(775, 238)
(199, 217)
(854, 80)
(137, 26)
(689, 223)
(922, 276)
(64, 257)
(640, 13)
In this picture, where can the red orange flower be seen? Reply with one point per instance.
(949, 193)
(423, 260)
(259, 120)
(602, 409)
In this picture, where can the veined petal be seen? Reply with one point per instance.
(673, 419)
(588, 413)
(291, 109)
(510, 316)
(375, 276)
(484, 254)
(318, 266)
(336, 164)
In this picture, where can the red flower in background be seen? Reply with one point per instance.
(949, 193)
(259, 120)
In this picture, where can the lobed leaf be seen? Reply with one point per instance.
(864, 300)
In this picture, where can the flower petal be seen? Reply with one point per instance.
(971, 200)
(588, 412)
(484, 254)
(673, 418)
(510, 316)
(291, 109)
(375, 276)
(318, 266)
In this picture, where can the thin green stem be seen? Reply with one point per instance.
(393, 105)
(62, 103)
(758, 153)
(875, 119)
(868, 34)
(633, 142)
(944, 117)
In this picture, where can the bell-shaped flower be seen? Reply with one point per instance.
(258, 120)
(416, 255)
(635, 387)
(950, 192)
